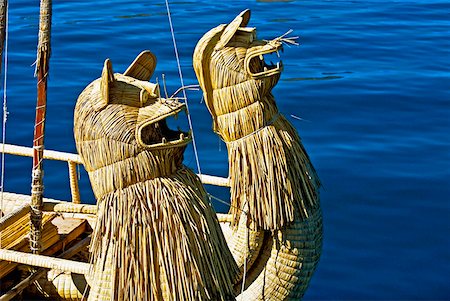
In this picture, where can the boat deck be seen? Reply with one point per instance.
(60, 232)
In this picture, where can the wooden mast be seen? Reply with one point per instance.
(3, 7)
(42, 67)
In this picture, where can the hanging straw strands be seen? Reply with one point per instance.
(156, 236)
(257, 135)
(271, 175)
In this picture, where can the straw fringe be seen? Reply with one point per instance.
(269, 168)
(157, 236)
(166, 233)
(270, 172)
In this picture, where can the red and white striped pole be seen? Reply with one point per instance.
(42, 67)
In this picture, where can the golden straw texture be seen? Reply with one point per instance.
(157, 236)
(269, 168)
(270, 172)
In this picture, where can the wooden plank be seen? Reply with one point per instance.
(14, 216)
(41, 272)
(17, 235)
(57, 233)
(69, 229)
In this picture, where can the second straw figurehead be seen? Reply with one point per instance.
(272, 178)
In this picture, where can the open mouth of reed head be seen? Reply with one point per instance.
(152, 130)
(265, 60)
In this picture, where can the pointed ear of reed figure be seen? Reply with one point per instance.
(272, 178)
(157, 236)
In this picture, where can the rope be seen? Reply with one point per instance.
(194, 144)
(269, 123)
(245, 261)
(5, 113)
(211, 197)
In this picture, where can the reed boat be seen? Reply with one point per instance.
(266, 248)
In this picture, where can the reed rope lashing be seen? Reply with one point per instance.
(5, 111)
(194, 144)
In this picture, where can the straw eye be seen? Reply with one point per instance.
(144, 96)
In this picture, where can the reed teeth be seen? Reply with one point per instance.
(278, 53)
(261, 57)
(157, 125)
(278, 65)
(182, 136)
(265, 69)
(164, 140)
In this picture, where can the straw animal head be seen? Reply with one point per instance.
(120, 115)
(231, 55)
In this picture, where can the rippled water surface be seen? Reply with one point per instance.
(368, 91)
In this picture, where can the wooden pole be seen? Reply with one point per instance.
(45, 261)
(42, 271)
(3, 8)
(42, 67)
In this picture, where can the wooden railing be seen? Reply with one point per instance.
(73, 160)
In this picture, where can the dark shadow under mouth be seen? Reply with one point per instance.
(159, 133)
(258, 64)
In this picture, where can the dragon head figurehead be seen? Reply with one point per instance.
(231, 66)
(152, 210)
(230, 56)
(122, 116)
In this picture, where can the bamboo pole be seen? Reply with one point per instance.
(48, 154)
(45, 261)
(214, 180)
(74, 158)
(73, 178)
(41, 272)
(42, 67)
(68, 207)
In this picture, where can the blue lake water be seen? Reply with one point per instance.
(370, 81)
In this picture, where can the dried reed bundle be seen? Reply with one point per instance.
(244, 244)
(269, 168)
(157, 236)
(272, 178)
(286, 262)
